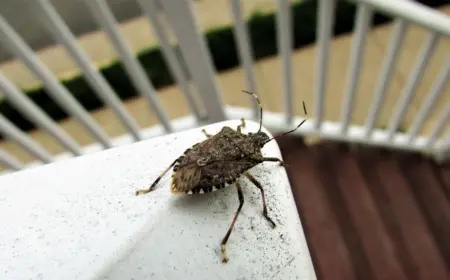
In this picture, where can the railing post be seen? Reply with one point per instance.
(9, 161)
(362, 23)
(413, 82)
(152, 9)
(10, 131)
(54, 88)
(385, 76)
(325, 23)
(284, 43)
(438, 127)
(55, 24)
(442, 153)
(35, 115)
(195, 52)
(245, 51)
(429, 101)
(135, 71)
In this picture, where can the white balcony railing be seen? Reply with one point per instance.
(194, 51)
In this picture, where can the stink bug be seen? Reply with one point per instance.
(218, 162)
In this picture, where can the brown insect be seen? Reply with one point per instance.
(218, 162)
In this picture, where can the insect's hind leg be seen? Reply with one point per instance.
(225, 239)
(152, 187)
(259, 186)
(242, 125)
(206, 133)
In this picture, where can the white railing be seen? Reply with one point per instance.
(194, 51)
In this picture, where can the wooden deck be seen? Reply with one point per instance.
(371, 214)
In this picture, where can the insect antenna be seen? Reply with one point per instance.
(260, 108)
(290, 131)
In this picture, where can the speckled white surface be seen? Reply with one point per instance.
(80, 219)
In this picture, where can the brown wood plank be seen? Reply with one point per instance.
(426, 259)
(368, 222)
(390, 220)
(431, 198)
(325, 155)
(443, 171)
(330, 255)
(368, 161)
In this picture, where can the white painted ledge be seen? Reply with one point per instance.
(80, 219)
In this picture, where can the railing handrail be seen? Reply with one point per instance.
(415, 12)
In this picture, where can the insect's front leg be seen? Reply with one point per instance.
(225, 239)
(242, 125)
(152, 187)
(274, 159)
(206, 133)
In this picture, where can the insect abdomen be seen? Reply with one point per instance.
(207, 189)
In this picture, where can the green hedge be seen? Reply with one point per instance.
(221, 43)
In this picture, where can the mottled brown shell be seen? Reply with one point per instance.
(215, 163)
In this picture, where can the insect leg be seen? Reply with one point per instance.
(259, 186)
(206, 133)
(152, 187)
(274, 159)
(242, 125)
(225, 239)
